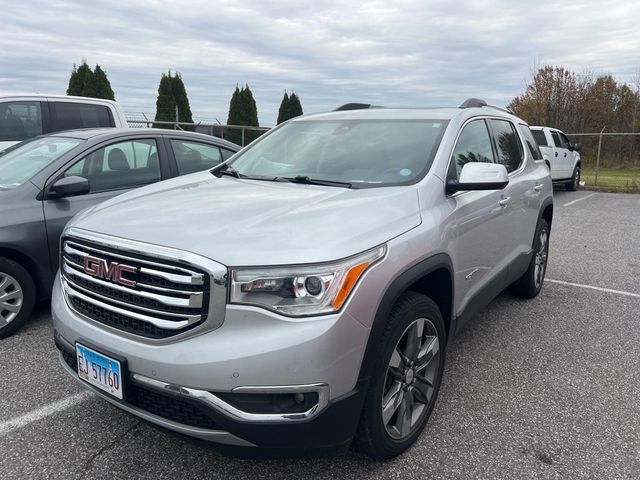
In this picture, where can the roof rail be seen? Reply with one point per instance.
(473, 102)
(353, 106)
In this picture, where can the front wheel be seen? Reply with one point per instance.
(573, 184)
(530, 284)
(406, 380)
(17, 296)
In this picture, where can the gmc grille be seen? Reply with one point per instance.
(159, 300)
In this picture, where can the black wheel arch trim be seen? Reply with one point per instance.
(398, 286)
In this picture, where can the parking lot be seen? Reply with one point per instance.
(548, 388)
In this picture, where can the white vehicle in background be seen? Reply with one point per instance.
(562, 156)
(27, 116)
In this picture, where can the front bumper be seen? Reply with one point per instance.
(252, 352)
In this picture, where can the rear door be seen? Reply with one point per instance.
(112, 169)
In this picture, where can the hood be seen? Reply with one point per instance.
(253, 223)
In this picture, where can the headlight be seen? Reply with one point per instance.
(302, 290)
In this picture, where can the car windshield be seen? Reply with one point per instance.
(21, 162)
(358, 153)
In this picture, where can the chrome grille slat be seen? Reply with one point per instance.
(188, 277)
(152, 298)
(169, 324)
(179, 316)
(194, 300)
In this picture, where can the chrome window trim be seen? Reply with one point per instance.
(216, 271)
(525, 155)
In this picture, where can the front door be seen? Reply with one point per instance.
(478, 241)
(111, 170)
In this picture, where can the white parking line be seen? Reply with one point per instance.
(9, 426)
(591, 287)
(578, 200)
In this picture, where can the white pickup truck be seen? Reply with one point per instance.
(562, 156)
(27, 116)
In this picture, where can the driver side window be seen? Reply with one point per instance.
(119, 165)
(474, 145)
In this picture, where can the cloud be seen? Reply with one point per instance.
(406, 52)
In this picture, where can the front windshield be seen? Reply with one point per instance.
(363, 153)
(21, 162)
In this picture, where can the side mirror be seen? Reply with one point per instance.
(577, 147)
(69, 187)
(480, 176)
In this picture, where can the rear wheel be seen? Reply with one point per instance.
(530, 284)
(406, 380)
(17, 296)
(573, 184)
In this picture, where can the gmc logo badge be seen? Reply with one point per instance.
(100, 268)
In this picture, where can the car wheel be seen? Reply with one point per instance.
(17, 296)
(573, 184)
(406, 379)
(530, 284)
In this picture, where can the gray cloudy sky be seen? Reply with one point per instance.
(401, 52)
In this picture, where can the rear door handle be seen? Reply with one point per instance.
(538, 187)
(504, 201)
(556, 154)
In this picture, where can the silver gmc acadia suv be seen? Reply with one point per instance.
(301, 295)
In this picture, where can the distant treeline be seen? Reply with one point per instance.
(585, 103)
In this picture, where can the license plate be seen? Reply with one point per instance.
(99, 370)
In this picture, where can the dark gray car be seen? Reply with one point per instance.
(47, 180)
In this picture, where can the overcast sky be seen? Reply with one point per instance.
(400, 52)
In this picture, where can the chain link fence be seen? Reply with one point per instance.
(239, 134)
(610, 159)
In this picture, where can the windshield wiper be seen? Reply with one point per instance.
(314, 181)
(225, 169)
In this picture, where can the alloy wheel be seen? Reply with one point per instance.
(11, 298)
(411, 377)
(541, 258)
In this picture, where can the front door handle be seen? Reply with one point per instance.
(565, 154)
(504, 201)
(538, 187)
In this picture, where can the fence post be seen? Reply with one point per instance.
(595, 181)
(243, 136)
(175, 127)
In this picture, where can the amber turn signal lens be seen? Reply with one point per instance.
(349, 281)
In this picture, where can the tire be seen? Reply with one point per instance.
(407, 386)
(573, 184)
(530, 284)
(17, 296)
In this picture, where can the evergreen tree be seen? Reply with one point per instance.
(242, 111)
(165, 103)
(75, 82)
(87, 78)
(283, 111)
(182, 101)
(295, 107)
(102, 85)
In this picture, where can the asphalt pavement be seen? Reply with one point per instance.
(545, 388)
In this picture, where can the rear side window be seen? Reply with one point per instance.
(508, 144)
(474, 145)
(120, 165)
(68, 115)
(20, 121)
(527, 135)
(540, 137)
(195, 157)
